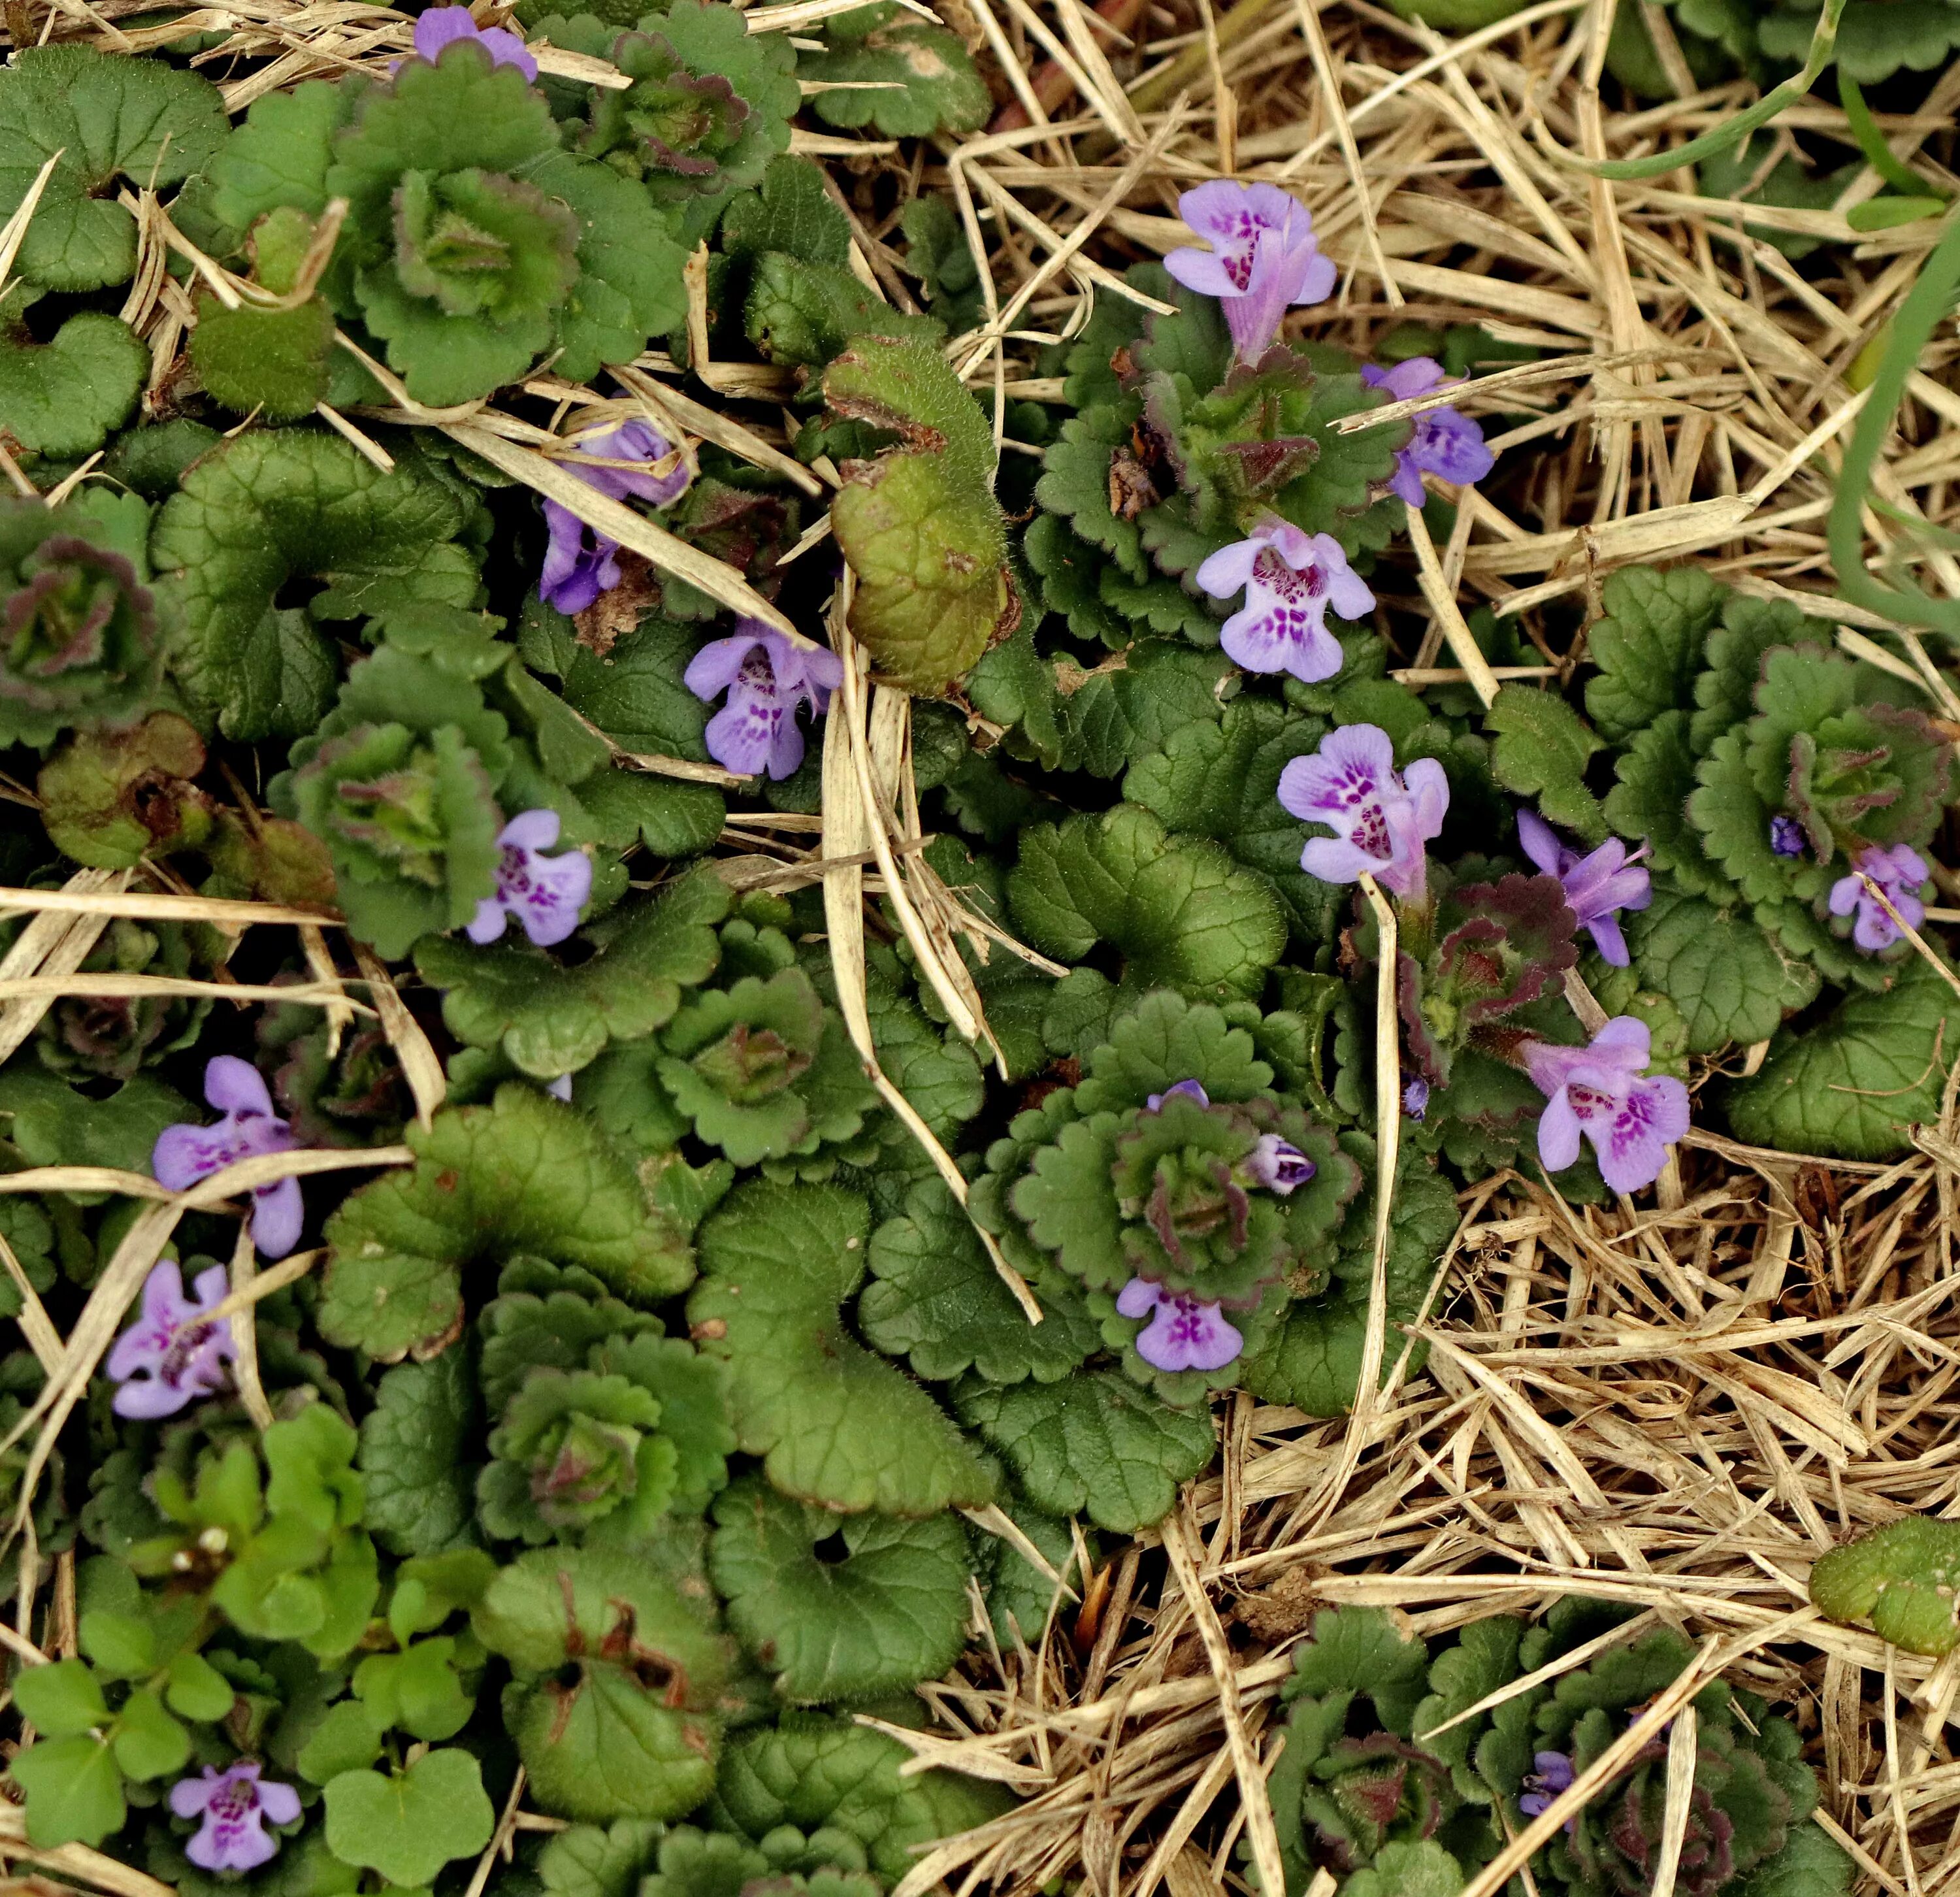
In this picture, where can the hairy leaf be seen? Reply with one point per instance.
(65, 397)
(1541, 747)
(1649, 645)
(1729, 980)
(416, 1459)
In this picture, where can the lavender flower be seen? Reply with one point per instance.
(1604, 1092)
(185, 1154)
(236, 1806)
(581, 563)
(1445, 444)
(1381, 820)
(1192, 1089)
(1263, 258)
(1278, 1165)
(560, 1089)
(1551, 1773)
(1290, 580)
(1183, 1334)
(1900, 872)
(442, 27)
(545, 893)
(172, 1355)
(1786, 837)
(1415, 1099)
(1597, 887)
(766, 677)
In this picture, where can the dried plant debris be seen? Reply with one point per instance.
(979, 948)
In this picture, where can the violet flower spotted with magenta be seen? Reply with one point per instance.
(1183, 1334)
(1899, 873)
(767, 678)
(249, 1129)
(545, 893)
(1551, 1773)
(580, 563)
(173, 1354)
(1263, 258)
(233, 1807)
(1445, 442)
(1597, 885)
(1381, 818)
(1604, 1092)
(1275, 1164)
(1291, 580)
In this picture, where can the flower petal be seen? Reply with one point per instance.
(234, 1086)
(1558, 1133)
(279, 1214)
(716, 666)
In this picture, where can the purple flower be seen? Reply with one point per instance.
(1262, 258)
(1444, 443)
(1899, 873)
(1381, 820)
(1290, 580)
(1551, 1773)
(581, 563)
(1604, 1092)
(236, 1806)
(185, 1154)
(560, 1089)
(1415, 1099)
(445, 26)
(172, 1355)
(1183, 1334)
(545, 893)
(766, 677)
(1192, 1089)
(1597, 887)
(1786, 836)
(1278, 1165)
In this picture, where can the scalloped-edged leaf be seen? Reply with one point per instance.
(819, 1774)
(888, 1611)
(586, 1861)
(1648, 647)
(1902, 1578)
(1853, 1087)
(416, 1457)
(272, 362)
(549, 1020)
(1650, 803)
(926, 79)
(407, 1825)
(1157, 688)
(804, 313)
(835, 1424)
(1541, 749)
(1729, 980)
(525, 1174)
(110, 116)
(66, 397)
(936, 1299)
(1091, 1443)
(272, 509)
(1181, 912)
(790, 211)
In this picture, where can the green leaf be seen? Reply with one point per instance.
(549, 1020)
(835, 1424)
(148, 1743)
(1648, 647)
(574, 1447)
(271, 510)
(1181, 913)
(408, 1824)
(120, 1646)
(347, 1739)
(672, 819)
(937, 252)
(416, 1689)
(545, 1316)
(928, 84)
(523, 1175)
(197, 1689)
(110, 798)
(1091, 1443)
(829, 1774)
(936, 1299)
(1750, 630)
(1541, 750)
(415, 1456)
(585, 1861)
(274, 361)
(110, 117)
(1157, 688)
(1810, 1865)
(920, 525)
(74, 1791)
(1403, 1869)
(1729, 980)
(1650, 803)
(889, 1610)
(803, 313)
(635, 1731)
(1361, 1650)
(54, 1125)
(60, 1699)
(1853, 1085)
(636, 694)
(693, 1393)
(1901, 1578)
(790, 212)
(66, 397)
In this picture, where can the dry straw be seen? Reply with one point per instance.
(1677, 1407)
